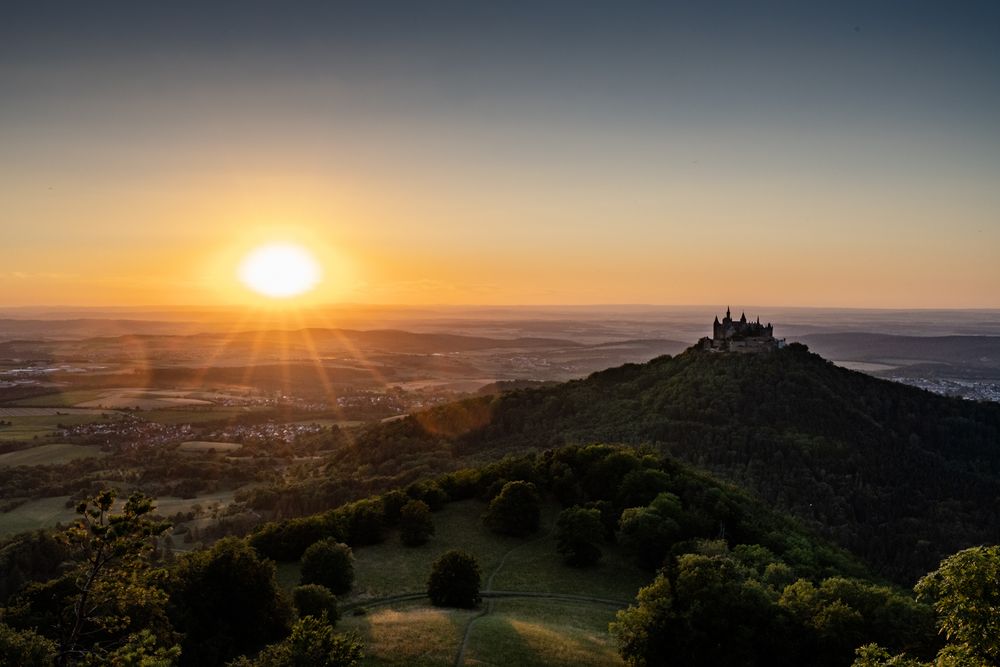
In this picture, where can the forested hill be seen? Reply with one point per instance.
(900, 476)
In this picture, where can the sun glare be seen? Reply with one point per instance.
(280, 270)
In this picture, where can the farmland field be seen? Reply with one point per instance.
(47, 512)
(63, 399)
(45, 412)
(204, 446)
(191, 416)
(34, 514)
(48, 455)
(28, 428)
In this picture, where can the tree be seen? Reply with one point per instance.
(646, 534)
(312, 643)
(329, 563)
(315, 600)
(392, 503)
(704, 613)
(227, 602)
(454, 580)
(579, 533)
(516, 510)
(140, 650)
(415, 523)
(111, 586)
(965, 593)
(25, 648)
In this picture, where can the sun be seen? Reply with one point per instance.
(280, 270)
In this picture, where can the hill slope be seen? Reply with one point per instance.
(900, 476)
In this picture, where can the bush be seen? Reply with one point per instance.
(392, 503)
(515, 511)
(313, 644)
(579, 533)
(454, 581)
(415, 523)
(315, 600)
(363, 521)
(329, 563)
(25, 648)
(429, 492)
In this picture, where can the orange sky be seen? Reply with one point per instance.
(685, 161)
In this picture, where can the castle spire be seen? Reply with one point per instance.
(728, 316)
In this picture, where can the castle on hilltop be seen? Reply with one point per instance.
(731, 335)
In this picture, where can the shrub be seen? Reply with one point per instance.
(454, 580)
(392, 503)
(311, 643)
(415, 523)
(579, 533)
(329, 563)
(315, 600)
(515, 511)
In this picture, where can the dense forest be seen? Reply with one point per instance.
(895, 474)
(736, 583)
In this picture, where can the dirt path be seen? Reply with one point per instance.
(488, 605)
(489, 596)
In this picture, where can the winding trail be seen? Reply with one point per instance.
(488, 606)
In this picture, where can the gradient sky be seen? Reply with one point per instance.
(504, 153)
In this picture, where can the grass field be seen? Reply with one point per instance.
(531, 564)
(189, 416)
(27, 428)
(515, 632)
(409, 634)
(63, 399)
(169, 505)
(47, 512)
(48, 455)
(342, 423)
(34, 514)
(542, 632)
(205, 446)
(21, 411)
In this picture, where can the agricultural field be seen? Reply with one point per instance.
(47, 512)
(169, 505)
(62, 399)
(202, 446)
(192, 416)
(52, 454)
(143, 399)
(41, 426)
(34, 514)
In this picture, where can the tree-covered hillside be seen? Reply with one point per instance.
(899, 476)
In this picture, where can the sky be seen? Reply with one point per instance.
(791, 154)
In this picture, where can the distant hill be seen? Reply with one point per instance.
(900, 476)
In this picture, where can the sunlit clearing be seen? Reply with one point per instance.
(280, 270)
